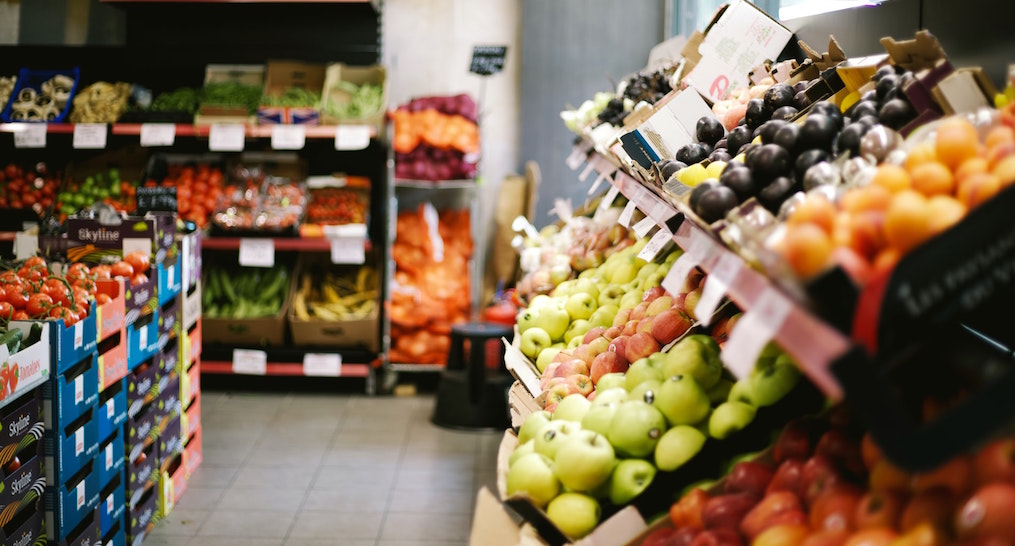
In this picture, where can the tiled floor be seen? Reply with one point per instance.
(314, 470)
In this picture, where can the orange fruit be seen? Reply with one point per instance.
(892, 177)
(885, 261)
(919, 154)
(1001, 134)
(814, 209)
(945, 212)
(866, 198)
(970, 166)
(807, 249)
(1005, 171)
(956, 141)
(933, 178)
(907, 221)
(977, 188)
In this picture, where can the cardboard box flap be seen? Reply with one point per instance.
(964, 90)
(828, 59)
(282, 75)
(923, 51)
(492, 525)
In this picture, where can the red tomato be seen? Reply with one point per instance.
(17, 296)
(68, 316)
(122, 269)
(6, 310)
(80, 295)
(9, 277)
(35, 261)
(138, 278)
(57, 289)
(102, 299)
(139, 260)
(77, 270)
(102, 271)
(39, 304)
(33, 274)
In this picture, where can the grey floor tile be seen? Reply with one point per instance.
(449, 527)
(328, 542)
(434, 480)
(275, 477)
(453, 501)
(358, 456)
(421, 543)
(359, 478)
(157, 538)
(365, 499)
(286, 455)
(348, 525)
(212, 475)
(222, 541)
(427, 462)
(200, 498)
(230, 523)
(368, 439)
(225, 455)
(183, 522)
(244, 498)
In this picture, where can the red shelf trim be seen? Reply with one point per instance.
(282, 368)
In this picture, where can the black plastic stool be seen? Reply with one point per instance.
(469, 396)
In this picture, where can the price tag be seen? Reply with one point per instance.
(110, 408)
(322, 364)
(656, 244)
(158, 134)
(109, 504)
(584, 175)
(606, 202)
(754, 330)
(30, 135)
(250, 362)
(79, 389)
(80, 493)
(90, 136)
(352, 137)
(348, 250)
(79, 441)
(625, 216)
(142, 336)
(644, 226)
(288, 137)
(716, 285)
(109, 456)
(577, 157)
(562, 208)
(137, 244)
(257, 252)
(26, 245)
(677, 276)
(79, 335)
(226, 137)
(171, 275)
(662, 212)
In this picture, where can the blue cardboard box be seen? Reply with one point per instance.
(71, 502)
(70, 393)
(116, 536)
(142, 339)
(111, 458)
(170, 279)
(68, 344)
(112, 504)
(112, 408)
(71, 447)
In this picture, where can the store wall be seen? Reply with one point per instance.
(571, 49)
(9, 12)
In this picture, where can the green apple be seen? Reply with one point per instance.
(564, 289)
(647, 270)
(655, 279)
(673, 256)
(574, 343)
(575, 514)
(526, 318)
(696, 355)
(572, 408)
(635, 429)
(610, 295)
(642, 370)
(552, 436)
(682, 400)
(742, 391)
(533, 341)
(645, 391)
(521, 451)
(532, 475)
(554, 319)
(611, 381)
(603, 315)
(584, 461)
(626, 271)
(580, 305)
(588, 274)
(598, 418)
(547, 355)
(728, 418)
(559, 273)
(629, 479)
(774, 382)
(609, 395)
(531, 425)
(578, 328)
(540, 301)
(677, 446)
(631, 298)
(587, 286)
(720, 392)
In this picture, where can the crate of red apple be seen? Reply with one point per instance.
(436, 138)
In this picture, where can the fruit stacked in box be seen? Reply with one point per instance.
(431, 291)
(436, 138)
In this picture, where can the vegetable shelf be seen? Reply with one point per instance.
(185, 130)
(282, 244)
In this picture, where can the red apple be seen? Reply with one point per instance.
(869, 451)
(727, 511)
(826, 537)
(580, 383)
(956, 475)
(678, 302)
(843, 451)
(718, 537)
(875, 536)
(575, 366)
(749, 477)
(836, 509)
(934, 506)
(612, 332)
(639, 310)
(723, 327)
(593, 333)
(583, 353)
(923, 534)
(687, 512)
(641, 345)
(669, 325)
(630, 328)
(885, 476)
(652, 293)
(793, 442)
(645, 325)
(691, 301)
(988, 513)
(762, 516)
(665, 536)
(621, 318)
(685, 536)
(996, 462)
(879, 509)
(817, 476)
(619, 345)
(608, 362)
(787, 477)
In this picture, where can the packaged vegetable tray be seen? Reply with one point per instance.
(42, 96)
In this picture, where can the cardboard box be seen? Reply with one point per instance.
(68, 395)
(142, 340)
(168, 403)
(110, 317)
(170, 441)
(112, 408)
(32, 363)
(141, 517)
(71, 447)
(192, 452)
(111, 459)
(190, 421)
(190, 344)
(142, 389)
(70, 503)
(740, 37)
(17, 484)
(358, 75)
(252, 75)
(282, 75)
(190, 252)
(19, 417)
(360, 333)
(965, 90)
(112, 505)
(169, 323)
(141, 473)
(25, 527)
(116, 536)
(67, 345)
(170, 278)
(112, 360)
(140, 432)
(671, 126)
(168, 358)
(154, 232)
(172, 484)
(190, 306)
(190, 384)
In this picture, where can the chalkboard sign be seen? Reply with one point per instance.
(156, 199)
(487, 60)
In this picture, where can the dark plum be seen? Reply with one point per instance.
(757, 113)
(818, 131)
(863, 108)
(715, 203)
(779, 95)
(896, 113)
(721, 143)
(849, 138)
(887, 70)
(785, 112)
(885, 85)
(768, 129)
(768, 162)
(691, 153)
(709, 130)
(698, 191)
(737, 138)
(719, 154)
(871, 95)
(800, 86)
(775, 193)
(801, 101)
(829, 110)
(740, 180)
(668, 167)
(787, 136)
(805, 160)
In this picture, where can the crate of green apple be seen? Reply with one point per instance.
(824, 482)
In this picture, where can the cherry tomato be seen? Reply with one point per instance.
(21, 315)
(122, 269)
(57, 289)
(68, 316)
(17, 296)
(102, 299)
(35, 261)
(9, 277)
(80, 295)
(139, 278)
(139, 260)
(6, 310)
(33, 274)
(77, 270)
(102, 271)
(39, 304)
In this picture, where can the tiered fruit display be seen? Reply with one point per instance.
(824, 482)
(436, 138)
(33, 187)
(99, 187)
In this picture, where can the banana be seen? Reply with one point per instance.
(300, 306)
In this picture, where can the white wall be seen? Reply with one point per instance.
(10, 13)
(427, 49)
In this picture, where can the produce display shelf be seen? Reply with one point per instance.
(814, 343)
(184, 130)
(416, 368)
(435, 184)
(283, 368)
(282, 244)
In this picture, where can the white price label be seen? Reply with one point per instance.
(80, 494)
(171, 275)
(716, 284)
(109, 504)
(625, 216)
(79, 441)
(226, 137)
(90, 136)
(322, 364)
(603, 175)
(754, 330)
(30, 135)
(250, 362)
(662, 212)
(257, 252)
(79, 389)
(137, 244)
(562, 208)
(109, 456)
(644, 226)
(577, 157)
(352, 137)
(677, 276)
(110, 408)
(142, 337)
(584, 175)
(288, 137)
(26, 245)
(697, 241)
(348, 250)
(606, 202)
(79, 335)
(656, 244)
(158, 134)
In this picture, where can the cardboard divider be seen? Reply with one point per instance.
(190, 421)
(172, 484)
(190, 384)
(193, 452)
